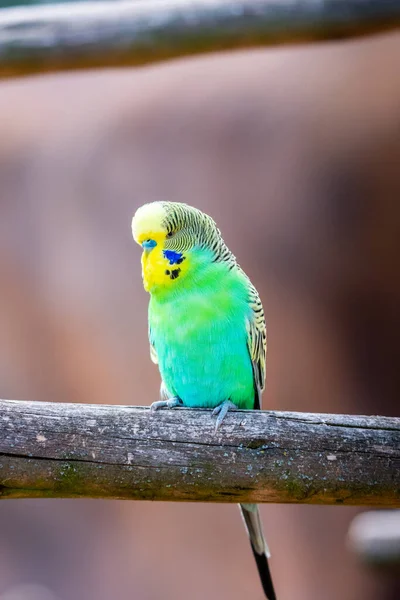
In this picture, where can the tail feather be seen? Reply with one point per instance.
(265, 575)
(251, 517)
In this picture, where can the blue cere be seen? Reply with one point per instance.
(149, 244)
(174, 258)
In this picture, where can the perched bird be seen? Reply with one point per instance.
(206, 326)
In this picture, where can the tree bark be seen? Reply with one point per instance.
(108, 34)
(97, 451)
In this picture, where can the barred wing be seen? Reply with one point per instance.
(257, 343)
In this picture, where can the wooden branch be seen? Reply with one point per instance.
(77, 36)
(76, 450)
(374, 537)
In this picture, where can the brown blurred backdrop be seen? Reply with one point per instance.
(296, 153)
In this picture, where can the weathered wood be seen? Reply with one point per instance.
(73, 36)
(75, 450)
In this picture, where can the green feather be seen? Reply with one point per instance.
(200, 336)
(206, 325)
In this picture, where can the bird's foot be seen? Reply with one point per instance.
(221, 410)
(171, 403)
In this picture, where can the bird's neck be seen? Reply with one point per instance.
(202, 274)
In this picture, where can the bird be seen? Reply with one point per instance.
(206, 327)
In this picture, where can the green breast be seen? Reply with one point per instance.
(200, 339)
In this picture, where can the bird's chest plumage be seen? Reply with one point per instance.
(200, 339)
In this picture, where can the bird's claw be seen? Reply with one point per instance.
(171, 403)
(221, 411)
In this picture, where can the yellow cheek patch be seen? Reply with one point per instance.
(162, 268)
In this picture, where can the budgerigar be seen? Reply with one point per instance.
(206, 326)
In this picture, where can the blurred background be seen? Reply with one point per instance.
(296, 154)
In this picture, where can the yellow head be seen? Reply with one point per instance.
(176, 238)
(153, 230)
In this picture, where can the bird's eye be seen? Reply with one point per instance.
(170, 234)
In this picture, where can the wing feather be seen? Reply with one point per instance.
(257, 342)
(153, 352)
